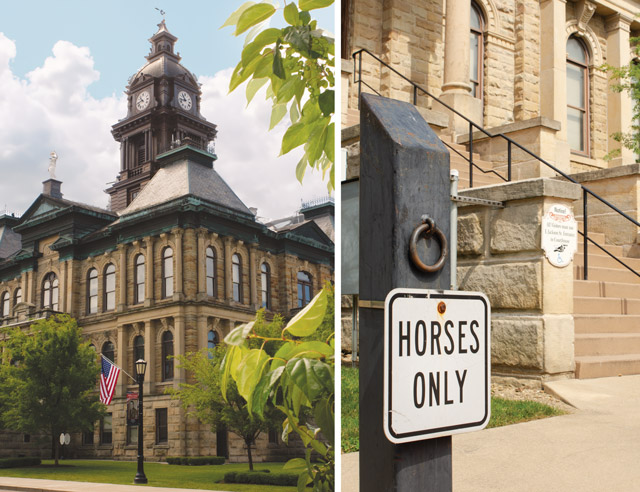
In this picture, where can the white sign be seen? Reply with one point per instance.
(559, 235)
(437, 363)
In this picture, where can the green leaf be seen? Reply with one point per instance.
(313, 349)
(249, 373)
(277, 113)
(289, 89)
(264, 67)
(301, 167)
(305, 17)
(326, 102)
(278, 67)
(238, 334)
(295, 464)
(253, 86)
(317, 139)
(294, 114)
(254, 15)
(295, 136)
(263, 389)
(303, 480)
(233, 18)
(324, 417)
(314, 4)
(329, 148)
(291, 14)
(310, 318)
(313, 377)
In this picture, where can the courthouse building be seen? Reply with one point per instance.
(533, 71)
(173, 265)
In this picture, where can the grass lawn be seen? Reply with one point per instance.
(159, 475)
(503, 412)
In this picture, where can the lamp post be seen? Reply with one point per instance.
(141, 368)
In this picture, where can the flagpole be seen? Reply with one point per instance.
(111, 362)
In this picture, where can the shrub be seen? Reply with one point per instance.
(18, 462)
(195, 460)
(286, 479)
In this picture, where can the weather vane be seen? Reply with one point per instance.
(162, 12)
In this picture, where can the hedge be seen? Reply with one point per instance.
(287, 479)
(19, 462)
(195, 460)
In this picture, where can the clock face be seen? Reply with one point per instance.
(184, 99)
(143, 100)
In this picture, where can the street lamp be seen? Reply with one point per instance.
(141, 368)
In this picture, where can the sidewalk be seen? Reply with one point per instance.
(34, 485)
(596, 449)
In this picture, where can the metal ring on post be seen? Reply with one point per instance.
(427, 228)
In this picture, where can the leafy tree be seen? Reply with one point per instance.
(203, 398)
(298, 380)
(297, 65)
(627, 79)
(49, 380)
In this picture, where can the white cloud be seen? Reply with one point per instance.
(51, 109)
(248, 153)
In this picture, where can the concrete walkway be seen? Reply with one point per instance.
(596, 449)
(35, 485)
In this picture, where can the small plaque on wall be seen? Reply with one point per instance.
(559, 235)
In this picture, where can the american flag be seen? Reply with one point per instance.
(108, 380)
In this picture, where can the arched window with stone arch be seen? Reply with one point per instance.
(212, 341)
(4, 304)
(109, 351)
(167, 356)
(210, 267)
(109, 288)
(265, 285)
(577, 96)
(138, 348)
(92, 291)
(236, 277)
(17, 297)
(50, 291)
(138, 279)
(167, 273)
(305, 289)
(476, 61)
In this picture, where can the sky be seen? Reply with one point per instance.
(64, 67)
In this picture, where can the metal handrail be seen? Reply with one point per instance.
(585, 191)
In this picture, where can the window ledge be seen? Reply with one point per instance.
(588, 161)
(162, 446)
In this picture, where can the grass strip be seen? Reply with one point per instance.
(503, 412)
(159, 474)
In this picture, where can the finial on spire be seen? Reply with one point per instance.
(53, 158)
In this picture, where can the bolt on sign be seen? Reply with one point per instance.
(437, 363)
(559, 235)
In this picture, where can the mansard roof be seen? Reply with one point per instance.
(186, 171)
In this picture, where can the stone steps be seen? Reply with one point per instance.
(605, 366)
(606, 313)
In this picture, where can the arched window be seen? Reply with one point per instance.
(92, 291)
(476, 65)
(17, 297)
(210, 266)
(167, 353)
(4, 304)
(304, 289)
(236, 277)
(577, 96)
(110, 287)
(265, 286)
(212, 341)
(138, 349)
(50, 291)
(109, 351)
(138, 280)
(167, 273)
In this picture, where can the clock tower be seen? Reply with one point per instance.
(163, 113)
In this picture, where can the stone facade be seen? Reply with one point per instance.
(524, 65)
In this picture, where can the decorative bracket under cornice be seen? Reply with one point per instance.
(584, 11)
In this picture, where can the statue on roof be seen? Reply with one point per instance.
(53, 158)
